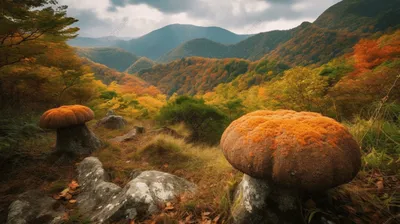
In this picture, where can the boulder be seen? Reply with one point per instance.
(130, 135)
(112, 122)
(35, 207)
(104, 202)
(256, 201)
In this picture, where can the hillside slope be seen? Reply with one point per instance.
(161, 41)
(129, 83)
(194, 75)
(112, 57)
(139, 65)
(197, 47)
(253, 48)
(334, 33)
(94, 42)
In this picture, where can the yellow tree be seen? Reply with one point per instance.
(300, 88)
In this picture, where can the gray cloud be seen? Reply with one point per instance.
(166, 6)
(104, 17)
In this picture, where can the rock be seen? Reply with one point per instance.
(112, 122)
(95, 189)
(35, 207)
(110, 112)
(105, 202)
(130, 135)
(77, 140)
(256, 201)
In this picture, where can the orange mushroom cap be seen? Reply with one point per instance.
(66, 116)
(295, 149)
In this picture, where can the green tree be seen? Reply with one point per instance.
(235, 108)
(206, 122)
(26, 26)
(301, 88)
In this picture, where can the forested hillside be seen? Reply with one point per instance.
(112, 57)
(139, 65)
(161, 41)
(335, 32)
(194, 75)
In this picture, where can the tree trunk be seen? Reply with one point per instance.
(77, 140)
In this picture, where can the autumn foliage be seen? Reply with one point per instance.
(370, 53)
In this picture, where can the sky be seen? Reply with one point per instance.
(134, 18)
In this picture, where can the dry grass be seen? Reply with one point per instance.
(205, 166)
(357, 202)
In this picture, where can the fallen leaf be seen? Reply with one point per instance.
(73, 185)
(166, 165)
(380, 186)
(216, 219)
(72, 201)
(56, 197)
(68, 196)
(188, 218)
(169, 206)
(132, 222)
(64, 192)
(65, 216)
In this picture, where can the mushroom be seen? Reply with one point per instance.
(73, 136)
(299, 151)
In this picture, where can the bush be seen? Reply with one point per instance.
(205, 122)
(13, 132)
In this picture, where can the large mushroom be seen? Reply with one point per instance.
(295, 151)
(73, 136)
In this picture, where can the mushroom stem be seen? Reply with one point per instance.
(76, 140)
(260, 201)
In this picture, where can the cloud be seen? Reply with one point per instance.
(133, 18)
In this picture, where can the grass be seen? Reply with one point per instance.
(357, 202)
(374, 195)
(205, 166)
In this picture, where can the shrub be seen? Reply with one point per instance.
(205, 122)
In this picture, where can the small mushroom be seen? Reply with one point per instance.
(73, 136)
(295, 151)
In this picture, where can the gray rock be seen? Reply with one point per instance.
(112, 122)
(35, 207)
(110, 112)
(130, 135)
(104, 202)
(77, 140)
(95, 189)
(257, 201)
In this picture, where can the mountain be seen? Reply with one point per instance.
(337, 30)
(161, 41)
(253, 48)
(310, 43)
(334, 33)
(361, 15)
(197, 47)
(139, 65)
(128, 83)
(95, 42)
(194, 75)
(112, 57)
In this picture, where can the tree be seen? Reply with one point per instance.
(235, 108)
(301, 88)
(206, 122)
(26, 26)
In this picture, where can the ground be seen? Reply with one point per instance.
(373, 197)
